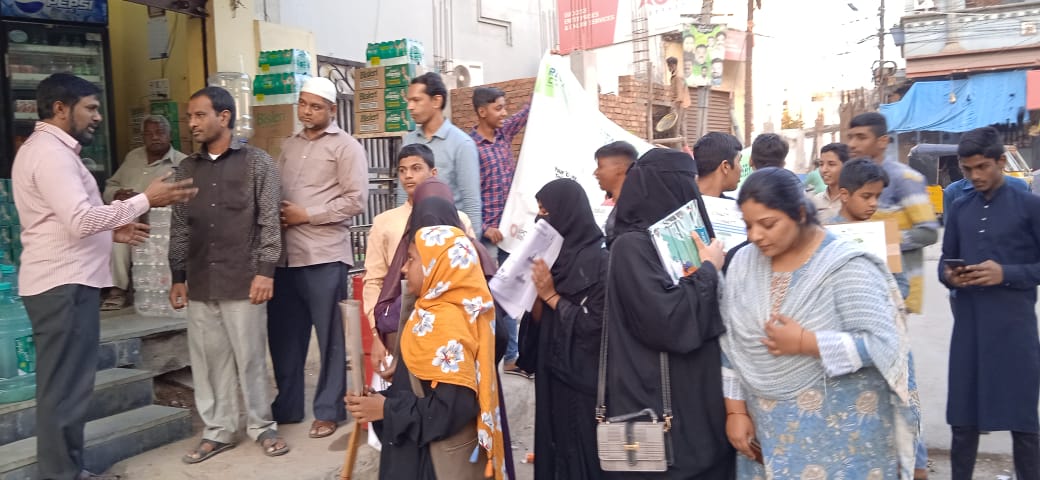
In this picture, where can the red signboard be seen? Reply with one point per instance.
(586, 24)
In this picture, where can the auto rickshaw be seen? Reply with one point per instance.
(939, 165)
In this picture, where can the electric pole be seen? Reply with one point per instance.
(749, 45)
(881, 54)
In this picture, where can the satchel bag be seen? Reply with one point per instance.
(638, 441)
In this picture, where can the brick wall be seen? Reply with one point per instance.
(627, 108)
(518, 94)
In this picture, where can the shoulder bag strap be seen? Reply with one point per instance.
(601, 384)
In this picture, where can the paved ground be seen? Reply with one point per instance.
(310, 459)
(322, 459)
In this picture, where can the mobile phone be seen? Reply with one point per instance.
(954, 263)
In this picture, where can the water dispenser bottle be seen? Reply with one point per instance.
(241, 89)
(17, 349)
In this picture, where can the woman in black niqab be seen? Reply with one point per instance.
(566, 326)
(648, 314)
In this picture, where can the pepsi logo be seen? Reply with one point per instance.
(29, 6)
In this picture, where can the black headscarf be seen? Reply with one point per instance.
(660, 182)
(571, 214)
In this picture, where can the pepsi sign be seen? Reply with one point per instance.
(80, 11)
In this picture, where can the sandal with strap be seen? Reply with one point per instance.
(205, 450)
(322, 428)
(269, 442)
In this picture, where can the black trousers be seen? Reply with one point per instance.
(305, 297)
(965, 446)
(66, 330)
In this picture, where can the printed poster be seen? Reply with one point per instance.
(563, 132)
(704, 53)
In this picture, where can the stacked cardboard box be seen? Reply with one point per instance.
(381, 104)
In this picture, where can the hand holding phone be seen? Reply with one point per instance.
(954, 269)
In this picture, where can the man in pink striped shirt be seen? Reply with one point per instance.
(67, 235)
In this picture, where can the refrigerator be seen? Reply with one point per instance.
(41, 37)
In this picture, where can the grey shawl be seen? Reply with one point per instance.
(745, 305)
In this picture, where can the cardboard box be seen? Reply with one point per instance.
(399, 75)
(369, 122)
(384, 99)
(398, 121)
(271, 145)
(371, 78)
(274, 121)
(389, 76)
(383, 121)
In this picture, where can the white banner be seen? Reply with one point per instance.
(564, 131)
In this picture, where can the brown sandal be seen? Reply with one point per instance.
(322, 428)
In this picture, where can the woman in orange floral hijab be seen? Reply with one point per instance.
(453, 430)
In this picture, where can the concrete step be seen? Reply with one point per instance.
(157, 344)
(115, 390)
(108, 440)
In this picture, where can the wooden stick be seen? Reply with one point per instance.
(352, 331)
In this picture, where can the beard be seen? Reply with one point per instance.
(84, 137)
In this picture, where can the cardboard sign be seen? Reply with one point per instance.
(881, 238)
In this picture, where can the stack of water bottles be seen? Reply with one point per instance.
(10, 229)
(151, 270)
(17, 349)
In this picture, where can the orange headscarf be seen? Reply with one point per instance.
(450, 336)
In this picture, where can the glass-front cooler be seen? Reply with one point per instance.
(36, 50)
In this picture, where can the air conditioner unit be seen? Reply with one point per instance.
(465, 73)
(924, 5)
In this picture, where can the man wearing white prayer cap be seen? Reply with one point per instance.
(324, 184)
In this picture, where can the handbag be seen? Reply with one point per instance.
(637, 441)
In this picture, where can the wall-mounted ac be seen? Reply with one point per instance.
(464, 73)
(924, 5)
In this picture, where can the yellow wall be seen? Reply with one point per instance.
(131, 68)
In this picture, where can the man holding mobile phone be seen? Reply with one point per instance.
(991, 264)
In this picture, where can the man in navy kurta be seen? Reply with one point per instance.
(994, 371)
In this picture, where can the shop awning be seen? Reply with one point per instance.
(978, 101)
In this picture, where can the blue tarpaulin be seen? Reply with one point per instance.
(981, 100)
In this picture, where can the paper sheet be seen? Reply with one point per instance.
(512, 285)
(727, 220)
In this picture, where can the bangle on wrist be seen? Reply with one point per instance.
(801, 337)
(547, 300)
(738, 413)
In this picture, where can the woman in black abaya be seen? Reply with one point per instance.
(569, 314)
(648, 314)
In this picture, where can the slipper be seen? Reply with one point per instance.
(214, 448)
(520, 372)
(269, 441)
(115, 302)
(322, 428)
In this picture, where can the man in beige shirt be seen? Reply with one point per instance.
(142, 165)
(680, 97)
(415, 164)
(324, 184)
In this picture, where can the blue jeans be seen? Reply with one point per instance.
(512, 348)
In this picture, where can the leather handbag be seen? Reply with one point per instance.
(637, 441)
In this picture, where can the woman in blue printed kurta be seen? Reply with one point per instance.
(816, 366)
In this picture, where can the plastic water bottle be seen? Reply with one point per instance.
(241, 89)
(17, 349)
(9, 274)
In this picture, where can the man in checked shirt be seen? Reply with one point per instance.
(494, 135)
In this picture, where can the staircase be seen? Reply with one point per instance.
(122, 421)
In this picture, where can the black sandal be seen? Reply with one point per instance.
(215, 448)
